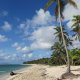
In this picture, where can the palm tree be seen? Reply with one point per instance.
(58, 55)
(66, 36)
(58, 47)
(58, 12)
(75, 56)
(76, 26)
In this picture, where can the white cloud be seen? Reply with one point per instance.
(27, 55)
(6, 56)
(12, 57)
(25, 49)
(15, 44)
(39, 30)
(39, 20)
(7, 26)
(70, 11)
(3, 38)
(43, 38)
(20, 48)
(42, 18)
(76, 44)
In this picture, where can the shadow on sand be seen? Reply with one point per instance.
(70, 75)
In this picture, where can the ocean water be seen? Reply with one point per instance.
(8, 68)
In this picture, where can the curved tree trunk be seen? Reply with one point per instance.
(60, 21)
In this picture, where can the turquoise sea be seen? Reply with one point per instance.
(8, 68)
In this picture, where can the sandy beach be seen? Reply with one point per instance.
(43, 72)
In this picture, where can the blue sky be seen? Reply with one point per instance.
(26, 32)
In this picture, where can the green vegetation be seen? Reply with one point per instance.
(58, 57)
(59, 8)
(76, 26)
(75, 56)
(60, 52)
(39, 61)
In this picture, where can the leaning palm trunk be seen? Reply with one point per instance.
(60, 21)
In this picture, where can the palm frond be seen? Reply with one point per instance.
(72, 3)
(48, 4)
(75, 24)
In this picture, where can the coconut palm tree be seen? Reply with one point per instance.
(66, 36)
(58, 53)
(58, 12)
(57, 47)
(75, 56)
(76, 26)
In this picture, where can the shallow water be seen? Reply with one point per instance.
(8, 68)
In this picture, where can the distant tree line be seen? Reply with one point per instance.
(59, 59)
(39, 61)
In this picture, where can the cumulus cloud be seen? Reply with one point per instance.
(7, 26)
(27, 56)
(70, 11)
(39, 30)
(3, 38)
(20, 48)
(6, 56)
(42, 18)
(25, 49)
(39, 20)
(43, 38)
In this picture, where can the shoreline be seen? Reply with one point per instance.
(5, 76)
(43, 72)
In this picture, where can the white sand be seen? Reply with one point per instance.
(7, 75)
(43, 72)
(57, 72)
(4, 76)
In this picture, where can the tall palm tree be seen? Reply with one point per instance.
(58, 12)
(76, 26)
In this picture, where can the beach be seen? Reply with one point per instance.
(42, 72)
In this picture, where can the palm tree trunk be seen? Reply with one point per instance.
(60, 21)
(72, 62)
